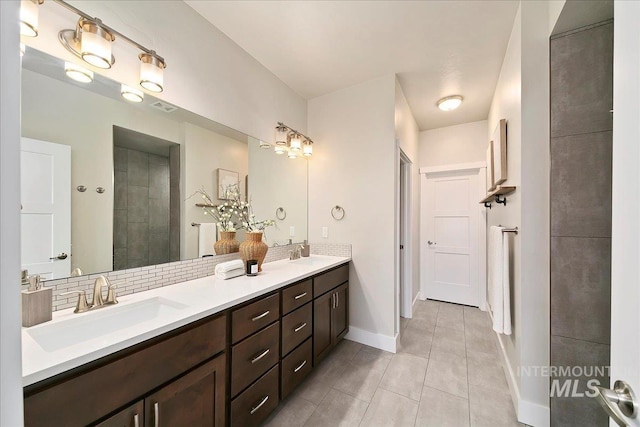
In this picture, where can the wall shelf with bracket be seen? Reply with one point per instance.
(498, 196)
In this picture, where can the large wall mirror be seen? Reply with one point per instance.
(106, 184)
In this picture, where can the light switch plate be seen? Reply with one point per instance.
(292, 230)
(325, 232)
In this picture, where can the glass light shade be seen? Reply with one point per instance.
(78, 73)
(292, 154)
(131, 94)
(265, 145)
(281, 135)
(151, 72)
(279, 149)
(23, 48)
(95, 45)
(307, 150)
(295, 144)
(450, 103)
(28, 18)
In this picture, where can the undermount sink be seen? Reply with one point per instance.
(88, 326)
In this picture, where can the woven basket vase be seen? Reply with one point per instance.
(254, 248)
(227, 243)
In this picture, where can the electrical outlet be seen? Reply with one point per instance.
(325, 232)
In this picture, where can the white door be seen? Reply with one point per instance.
(45, 191)
(625, 237)
(449, 237)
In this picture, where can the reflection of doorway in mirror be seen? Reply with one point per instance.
(146, 180)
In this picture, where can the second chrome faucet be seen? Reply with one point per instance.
(97, 302)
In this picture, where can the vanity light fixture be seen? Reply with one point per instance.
(78, 73)
(29, 17)
(151, 71)
(265, 145)
(131, 94)
(450, 103)
(292, 142)
(91, 40)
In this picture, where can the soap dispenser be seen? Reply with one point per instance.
(36, 302)
(305, 249)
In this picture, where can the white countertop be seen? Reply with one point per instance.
(187, 302)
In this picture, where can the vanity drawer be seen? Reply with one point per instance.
(253, 357)
(296, 327)
(295, 368)
(257, 402)
(254, 317)
(296, 296)
(329, 280)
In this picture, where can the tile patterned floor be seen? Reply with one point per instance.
(447, 372)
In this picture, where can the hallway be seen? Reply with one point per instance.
(447, 372)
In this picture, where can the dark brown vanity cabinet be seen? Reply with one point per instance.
(161, 369)
(330, 311)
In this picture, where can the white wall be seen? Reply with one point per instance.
(465, 143)
(354, 167)
(204, 153)
(10, 351)
(522, 97)
(407, 132)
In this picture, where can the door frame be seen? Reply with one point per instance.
(404, 231)
(481, 169)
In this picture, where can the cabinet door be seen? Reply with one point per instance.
(129, 417)
(196, 399)
(322, 333)
(340, 313)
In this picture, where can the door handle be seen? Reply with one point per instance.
(59, 257)
(430, 243)
(619, 402)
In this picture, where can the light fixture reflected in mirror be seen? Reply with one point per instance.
(265, 145)
(78, 73)
(29, 17)
(450, 103)
(292, 154)
(151, 71)
(279, 149)
(131, 94)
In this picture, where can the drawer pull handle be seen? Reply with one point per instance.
(299, 328)
(136, 421)
(262, 402)
(304, 294)
(266, 313)
(156, 414)
(300, 367)
(260, 356)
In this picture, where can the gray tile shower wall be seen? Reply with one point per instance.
(142, 279)
(581, 137)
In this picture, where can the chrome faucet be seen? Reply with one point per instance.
(98, 302)
(296, 252)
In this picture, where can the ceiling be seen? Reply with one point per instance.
(437, 48)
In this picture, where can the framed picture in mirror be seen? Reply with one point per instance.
(499, 139)
(226, 179)
(490, 185)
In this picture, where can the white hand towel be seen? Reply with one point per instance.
(223, 267)
(224, 275)
(498, 278)
(206, 238)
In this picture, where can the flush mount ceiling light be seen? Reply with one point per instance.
(91, 40)
(78, 73)
(450, 103)
(131, 94)
(29, 17)
(151, 71)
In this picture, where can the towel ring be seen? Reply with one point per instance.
(281, 213)
(337, 212)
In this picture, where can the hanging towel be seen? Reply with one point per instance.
(206, 239)
(224, 267)
(498, 278)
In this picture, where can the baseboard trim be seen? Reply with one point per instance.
(383, 342)
(527, 412)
